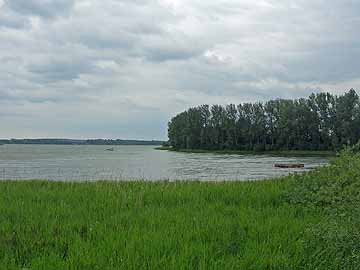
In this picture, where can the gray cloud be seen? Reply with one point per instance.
(9, 19)
(123, 68)
(43, 8)
(58, 70)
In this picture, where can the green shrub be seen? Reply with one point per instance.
(334, 192)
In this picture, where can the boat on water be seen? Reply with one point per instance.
(109, 149)
(289, 165)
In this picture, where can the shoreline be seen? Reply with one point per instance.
(285, 153)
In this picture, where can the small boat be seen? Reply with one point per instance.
(109, 149)
(289, 165)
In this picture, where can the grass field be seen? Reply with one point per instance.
(308, 221)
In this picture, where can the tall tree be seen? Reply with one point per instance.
(321, 122)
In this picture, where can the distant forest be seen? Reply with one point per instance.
(321, 122)
(80, 142)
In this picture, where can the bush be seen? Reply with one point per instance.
(334, 192)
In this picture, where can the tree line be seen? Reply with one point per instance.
(321, 122)
(81, 142)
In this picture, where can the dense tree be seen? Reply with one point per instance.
(321, 122)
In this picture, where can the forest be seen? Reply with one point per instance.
(322, 121)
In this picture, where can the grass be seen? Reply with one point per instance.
(289, 153)
(308, 221)
(141, 225)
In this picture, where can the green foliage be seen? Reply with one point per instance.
(321, 122)
(332, 187)
(355, 148)
(334, 192)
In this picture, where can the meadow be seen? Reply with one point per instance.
(308, 221)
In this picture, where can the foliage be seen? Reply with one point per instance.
(331, 187)
(334, 192)
(355, 148)
(321, 122)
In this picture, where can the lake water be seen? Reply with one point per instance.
(74, 162)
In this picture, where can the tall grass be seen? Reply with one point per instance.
(296, 222)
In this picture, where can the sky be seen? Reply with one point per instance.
(123, 68)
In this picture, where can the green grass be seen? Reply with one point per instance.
(308, 221)
(289, 153)
(141, 225)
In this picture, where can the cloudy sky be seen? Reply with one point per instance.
(122, 68)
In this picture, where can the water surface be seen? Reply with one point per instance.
(93, 162)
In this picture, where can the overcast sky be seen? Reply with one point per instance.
(122, 68)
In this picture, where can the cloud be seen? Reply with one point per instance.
(9, 19)
(88, 68)
(60, 69)
(217, 57)
(42, 8)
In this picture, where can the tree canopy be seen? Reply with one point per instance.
(322, 121)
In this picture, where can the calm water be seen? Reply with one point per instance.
(135, 162)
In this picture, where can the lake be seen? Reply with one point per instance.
(93, 162)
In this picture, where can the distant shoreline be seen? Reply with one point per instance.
(80, 142)
(289, 153)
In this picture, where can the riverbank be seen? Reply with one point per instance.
(289, 153)
(296, 222)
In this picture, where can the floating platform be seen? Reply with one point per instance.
(289, 165)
